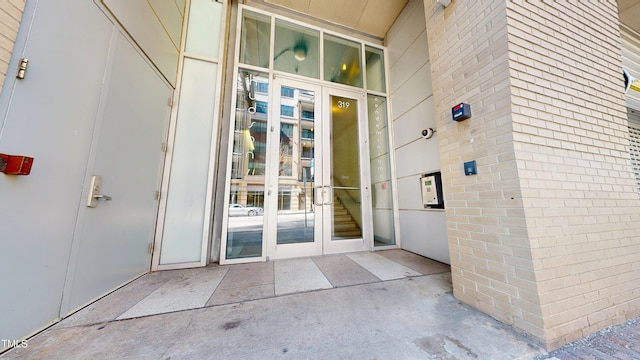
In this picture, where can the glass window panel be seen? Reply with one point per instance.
(375, 69)
(286, 110)
(346, 209)
(246, 199)
(262, 87)
(287, 92)
(342, 61)
(203, 34)
(382, 201)
(296, 49)
(255, 38)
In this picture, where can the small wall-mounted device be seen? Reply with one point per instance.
(428, 133)
(15, 164)
(470, 168)
(461, 112)
(431, 185)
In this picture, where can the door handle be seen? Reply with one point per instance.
(101, 196)
(94, 193)
(316, 197)
(330, 195)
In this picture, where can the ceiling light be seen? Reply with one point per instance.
(300, 51)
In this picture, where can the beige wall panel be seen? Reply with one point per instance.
(170, 17)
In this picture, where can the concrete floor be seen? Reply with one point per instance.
(383, 305)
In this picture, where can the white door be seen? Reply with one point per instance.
(316, 200)
(113, 235)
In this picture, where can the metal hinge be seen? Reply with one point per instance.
(171, 101)
(165, 147)
(151, 248)
(22, 68)
(157, 195)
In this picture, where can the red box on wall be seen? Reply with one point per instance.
(15, 164)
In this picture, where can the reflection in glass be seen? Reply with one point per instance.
(375, 69)
(296, 50)
(246, 198)
(342, 61)
(296, 174)
(383, 220)
(255, 38)
(345, 170)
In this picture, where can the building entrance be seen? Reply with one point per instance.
(310, 120)
(300, 186)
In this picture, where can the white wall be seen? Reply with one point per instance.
(156, 26)
(422, 231)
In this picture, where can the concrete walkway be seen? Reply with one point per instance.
(383, 305)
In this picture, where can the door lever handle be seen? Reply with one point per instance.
(94, 192)
(101, 196)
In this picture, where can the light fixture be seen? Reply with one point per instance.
(300, 50)
(344, 67)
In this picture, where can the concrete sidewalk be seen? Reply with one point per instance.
(383, 305)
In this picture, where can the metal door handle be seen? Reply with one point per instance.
(330, 195)
(94, 192)
(315, 201)
(101, 196)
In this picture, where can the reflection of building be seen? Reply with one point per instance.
(295, 150)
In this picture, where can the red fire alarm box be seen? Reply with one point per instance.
(15, 164)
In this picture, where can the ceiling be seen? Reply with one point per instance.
(367, 17)
(630, 13)
(375, 17)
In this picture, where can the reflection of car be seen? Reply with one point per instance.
(240, 210)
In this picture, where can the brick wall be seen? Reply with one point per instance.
(10, 15)
(545, 235)
(571, 140)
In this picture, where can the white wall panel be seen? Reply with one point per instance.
(423, 234)
(405, 67)
(422, 231)
(410, 198)
(417, 157)
(409, 126)
(146, 28)
(403, 33)
(416, 89)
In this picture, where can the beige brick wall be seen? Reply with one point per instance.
(571, 140)
(10, 16)
(545, 236)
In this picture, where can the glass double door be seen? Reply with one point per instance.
(316, 199)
